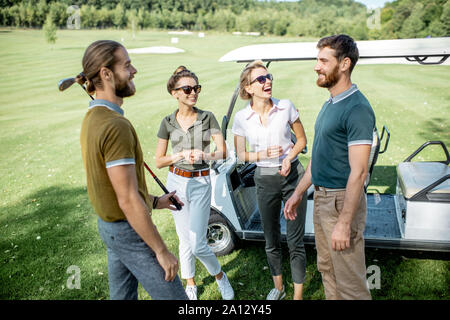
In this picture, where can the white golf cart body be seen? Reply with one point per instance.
(417, 217)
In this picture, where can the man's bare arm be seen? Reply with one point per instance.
(124, 181)
(358, 156)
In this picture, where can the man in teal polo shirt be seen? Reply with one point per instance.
(338, 168)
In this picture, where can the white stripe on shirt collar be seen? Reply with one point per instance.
(343, 95)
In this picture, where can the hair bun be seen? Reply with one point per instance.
(180, 69)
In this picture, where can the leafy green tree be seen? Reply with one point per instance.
(437, 29)
(401, 13)
(280, 27)
(104, 18)
(119, 18)
(41, 12)
(14, 14)
(413, 26)
(50, 30)
(88, 19)
(445, 18)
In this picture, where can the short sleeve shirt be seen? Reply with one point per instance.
(198, 136)
(108, 139)
(276, 132)
(344, 121)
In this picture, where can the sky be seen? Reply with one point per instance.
(373, 3)
(369, 3)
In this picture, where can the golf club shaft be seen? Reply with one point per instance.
(87, 92)
(172, 199)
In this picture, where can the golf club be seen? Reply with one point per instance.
(67, 83)
(172, 199)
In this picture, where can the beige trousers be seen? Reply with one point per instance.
(343, 272)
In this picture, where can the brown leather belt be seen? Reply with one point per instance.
(188, 174)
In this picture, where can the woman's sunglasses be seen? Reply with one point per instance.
(262, 79)
(188, 89)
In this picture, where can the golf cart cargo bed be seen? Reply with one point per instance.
(382, 227)
(381, 219)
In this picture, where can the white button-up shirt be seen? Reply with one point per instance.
(277, 131)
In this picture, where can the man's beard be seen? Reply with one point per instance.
(125, 89)
(330, 79)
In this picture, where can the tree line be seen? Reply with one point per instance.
(305, 18)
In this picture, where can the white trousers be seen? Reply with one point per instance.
(192, 223)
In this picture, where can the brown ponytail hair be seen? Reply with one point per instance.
(180, 72)
(99, 54)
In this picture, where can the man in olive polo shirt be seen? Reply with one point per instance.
(113, 161)
(338, 168)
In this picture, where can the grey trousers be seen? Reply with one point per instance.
(131, 260)
(271, 190)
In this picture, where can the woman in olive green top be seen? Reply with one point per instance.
(190, 130)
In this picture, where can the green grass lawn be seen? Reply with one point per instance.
(46, 221)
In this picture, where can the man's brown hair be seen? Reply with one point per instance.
(343, 45)
(99, 54)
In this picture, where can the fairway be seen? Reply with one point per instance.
(47, 223)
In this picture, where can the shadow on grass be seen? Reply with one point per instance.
(252, 279)
(436, 129)
(410, 274)
(55, 228)
(41, 237)
(404, 274)
(383, 176)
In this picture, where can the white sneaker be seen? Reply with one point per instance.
(225, 288)
(191, 292)
(276, 294)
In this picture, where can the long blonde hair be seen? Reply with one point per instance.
(245, 78)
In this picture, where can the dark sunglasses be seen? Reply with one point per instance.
(262, 79)
(187, 89)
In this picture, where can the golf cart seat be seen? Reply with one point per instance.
(375, 151)
(414, 177)
(425, 181)
(423, 197)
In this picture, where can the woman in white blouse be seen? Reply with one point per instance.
(266, 124)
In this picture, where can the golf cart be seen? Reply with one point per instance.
(417, 217)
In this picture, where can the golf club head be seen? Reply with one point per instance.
(65, 83)
(68, 82)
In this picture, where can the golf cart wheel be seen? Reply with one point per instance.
(221, 239)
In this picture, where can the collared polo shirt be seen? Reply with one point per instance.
(108, 139)
(344, 120)
(277, 131)
(198, 136)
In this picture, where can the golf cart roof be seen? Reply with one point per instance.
(411, 49)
